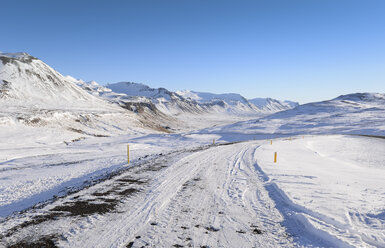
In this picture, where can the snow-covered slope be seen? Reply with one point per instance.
(137, 89)
(34, 94)
(190, 102)
(34, 98)
(273, 105)
(360, 113)
(158, 104)
(166, 101)
(27, 81)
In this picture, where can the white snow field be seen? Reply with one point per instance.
(330, 188)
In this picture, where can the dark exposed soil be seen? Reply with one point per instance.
(104, 193)
(84, 208)
(212, 229)
(256, 230)
(43, 242)
(130, 244)
(128, 192)
(131, 180)
(35, 221)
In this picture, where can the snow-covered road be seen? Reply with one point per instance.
(324, 191)
(211, 197)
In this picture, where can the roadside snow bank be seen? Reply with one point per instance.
(332, 186)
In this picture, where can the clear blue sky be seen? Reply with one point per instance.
(303, 50)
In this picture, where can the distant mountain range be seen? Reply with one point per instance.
(34, 94)
(175, 103)
(28, 81)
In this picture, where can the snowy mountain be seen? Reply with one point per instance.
(139, 97)
(186, 102)
(359, 113)
(32, 94)
(205, 97)
(230, 102)
(27, 81)
(235, 102)
(273, 105)
(137, 89)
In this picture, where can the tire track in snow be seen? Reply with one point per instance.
(218, 206)
(212, 197)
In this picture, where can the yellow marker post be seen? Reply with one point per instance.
(275, 157)
(213, 141)
(271, 142)
(128, 154)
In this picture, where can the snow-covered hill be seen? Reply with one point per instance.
(27, 81)
(359, 113)
(38, 100)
